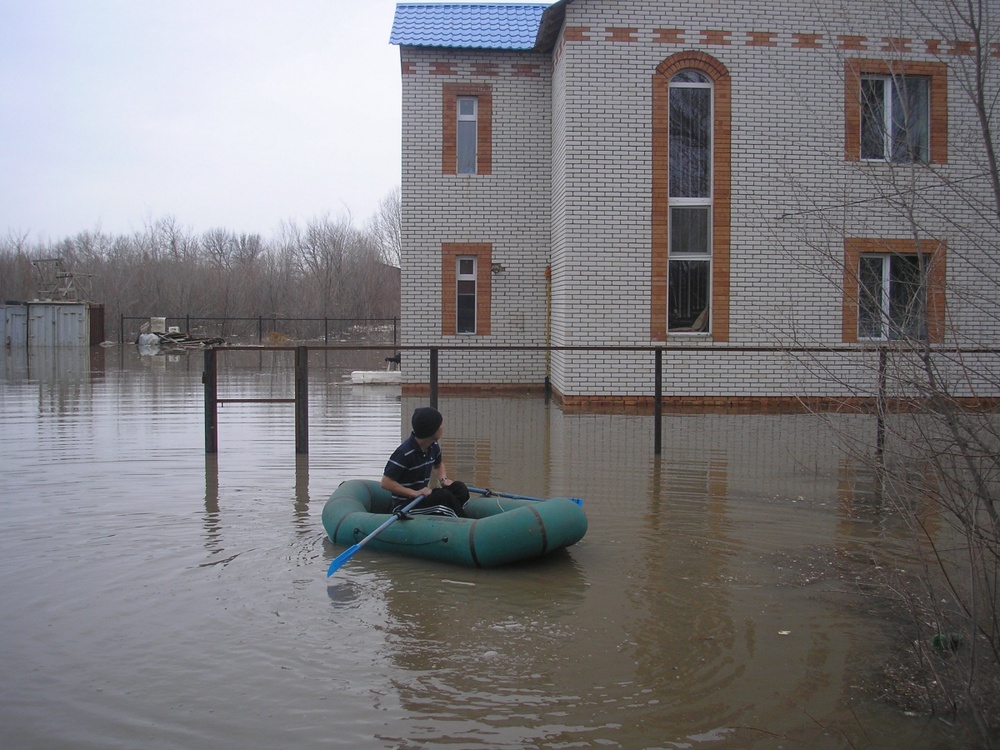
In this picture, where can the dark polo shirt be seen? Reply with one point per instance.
(412, 467)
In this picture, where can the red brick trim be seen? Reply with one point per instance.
(762, 39)
(849, 42)
(668, 36)
(799, 40)
(896, 43)
(484, 69)
(622, 34)
(527, 70)
(807, 41)
(752, 404)
(854, 68)
(718, 37)
(854, 247)
(449, 126)
(483, 252)
(722, 131)
(440, 68)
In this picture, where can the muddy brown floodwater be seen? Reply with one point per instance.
(155, 597)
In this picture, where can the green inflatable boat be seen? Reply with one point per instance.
(498, 530)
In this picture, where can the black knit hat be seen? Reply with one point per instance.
(426, 421)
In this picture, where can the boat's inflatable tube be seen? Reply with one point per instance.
(498, 530)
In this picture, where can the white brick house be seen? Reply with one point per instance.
(770, 191)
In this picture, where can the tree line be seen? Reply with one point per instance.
(327, 268)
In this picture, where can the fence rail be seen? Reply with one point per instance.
(301, 399)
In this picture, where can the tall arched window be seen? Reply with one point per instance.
(691, 179)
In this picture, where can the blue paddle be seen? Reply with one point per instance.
(347, 554)
(494, 493)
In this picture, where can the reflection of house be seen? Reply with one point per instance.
(607, 172)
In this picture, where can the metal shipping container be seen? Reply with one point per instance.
(51, 324)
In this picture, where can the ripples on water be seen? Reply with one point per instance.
(160, 598)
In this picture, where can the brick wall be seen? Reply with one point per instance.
(505, 209)
(572, 186)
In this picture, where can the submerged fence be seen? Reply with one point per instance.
(267, 327)
(880, 400)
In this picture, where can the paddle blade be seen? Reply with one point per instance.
(341, 559)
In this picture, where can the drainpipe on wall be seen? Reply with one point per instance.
(548, 328)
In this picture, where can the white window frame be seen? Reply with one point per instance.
(885, 311)
(889, 84)
(472, 166)
(459, 278)
(706, 202)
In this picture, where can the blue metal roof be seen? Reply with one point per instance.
(480, 25)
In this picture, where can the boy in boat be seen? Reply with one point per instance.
(407, 474)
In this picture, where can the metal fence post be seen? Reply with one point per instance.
(209, 378)
(880, 403)
(301, 399)
(434, 377)
(658, 404)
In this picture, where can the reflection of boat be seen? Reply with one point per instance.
(498, 530)
(376, 377)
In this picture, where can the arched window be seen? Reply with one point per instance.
(691, 174)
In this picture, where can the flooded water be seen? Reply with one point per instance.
(155, 597)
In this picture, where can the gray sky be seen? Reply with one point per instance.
(237, 114)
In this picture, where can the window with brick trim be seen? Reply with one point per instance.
(467, 137)
(691, 198)
(893, 290)
(465, 288)
(467, 129)
(896, 111)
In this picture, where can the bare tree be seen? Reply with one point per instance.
(933, 367)
(386, 226)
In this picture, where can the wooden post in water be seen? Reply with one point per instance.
(209, 378)
(301, 399)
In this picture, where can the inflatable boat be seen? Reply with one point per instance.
(497, 530)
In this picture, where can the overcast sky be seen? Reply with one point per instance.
(237, 114)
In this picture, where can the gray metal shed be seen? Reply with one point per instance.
(49, 323)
